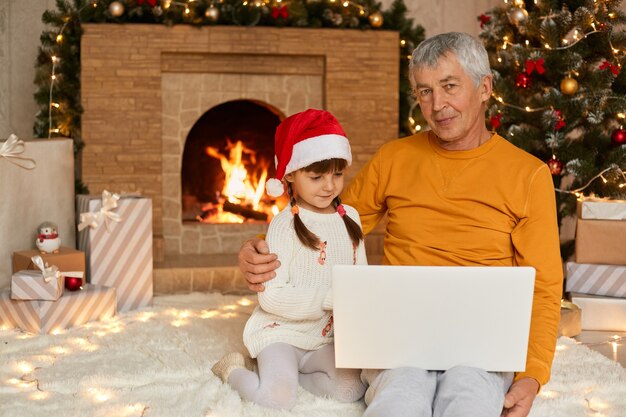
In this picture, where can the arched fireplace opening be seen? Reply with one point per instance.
(228, 156)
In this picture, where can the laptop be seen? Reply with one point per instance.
(432, 317)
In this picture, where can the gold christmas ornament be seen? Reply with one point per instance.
(116, 9)
(519, 3)
(569, 86)
(376, 19)
(518, 16)
(212, 13)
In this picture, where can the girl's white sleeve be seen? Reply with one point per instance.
(281, 297)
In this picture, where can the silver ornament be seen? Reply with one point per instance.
(518, 16)
(337, 19)
(212, 13)
(116, 9)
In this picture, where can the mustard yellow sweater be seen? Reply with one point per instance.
(493, 205)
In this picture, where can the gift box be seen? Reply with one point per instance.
(72, 309)
(36, 185)
(570, 324)
(601, 313)
(67, 259)
(601, 209)
(116, 234)
(596, 279)
(601, 242)
(31, 285)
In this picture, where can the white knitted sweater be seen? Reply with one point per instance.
(296, 306)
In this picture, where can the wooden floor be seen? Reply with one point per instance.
(603, 342)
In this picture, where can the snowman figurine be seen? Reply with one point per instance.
(48, 240)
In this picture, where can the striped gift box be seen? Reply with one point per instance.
(596, 279)
(119, 254)
(72, 309)
(30, 285)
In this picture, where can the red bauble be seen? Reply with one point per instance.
(556, 166)
(73, 283)
(618, 137)
(523, 80)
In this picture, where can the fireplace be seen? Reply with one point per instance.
(154, 104)
(228, 156)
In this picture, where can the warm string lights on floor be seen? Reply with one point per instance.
(25, 379)
(594, 405)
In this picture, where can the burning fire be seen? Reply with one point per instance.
(242, 194)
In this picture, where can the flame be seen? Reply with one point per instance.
(240, 187)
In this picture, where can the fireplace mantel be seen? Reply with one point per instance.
(133, 143)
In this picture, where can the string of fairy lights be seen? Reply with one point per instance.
(517, 15)
(116, 9)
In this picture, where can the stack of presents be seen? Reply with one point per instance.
(65, 259)
(597, 280)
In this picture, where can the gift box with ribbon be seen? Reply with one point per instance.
(72, 309)
(115, 232)
(36, 185)
(44, 284)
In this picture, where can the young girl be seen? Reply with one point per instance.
(291, 332)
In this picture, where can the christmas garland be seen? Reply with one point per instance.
(58, 62)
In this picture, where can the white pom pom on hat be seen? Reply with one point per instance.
(274, 187)
(303, 139)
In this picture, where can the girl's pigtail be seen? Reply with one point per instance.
(308, 238)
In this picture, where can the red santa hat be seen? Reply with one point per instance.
(303, 139)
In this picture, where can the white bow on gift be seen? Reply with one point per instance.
(105, 214)
(52, 272)
(12, 148)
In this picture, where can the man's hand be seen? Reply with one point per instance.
(257, 263)
(520, 397)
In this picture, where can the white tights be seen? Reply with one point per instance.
(282, 367)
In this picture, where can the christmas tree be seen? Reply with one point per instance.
(560, 91)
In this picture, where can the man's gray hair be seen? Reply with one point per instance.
(468, 50)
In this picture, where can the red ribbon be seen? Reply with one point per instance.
(150, 2)
(535, 64)
(280, 12)
(484, 19)
(607, 65)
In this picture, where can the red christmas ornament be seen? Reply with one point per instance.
(150, 2)
(560, 123)
(618, 137)
(73, 283)
(495, 121)
(556, 166)
(484, 19)
(523, 80)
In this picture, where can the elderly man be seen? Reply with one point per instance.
(455, 195)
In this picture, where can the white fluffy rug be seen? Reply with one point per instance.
(156, 362)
